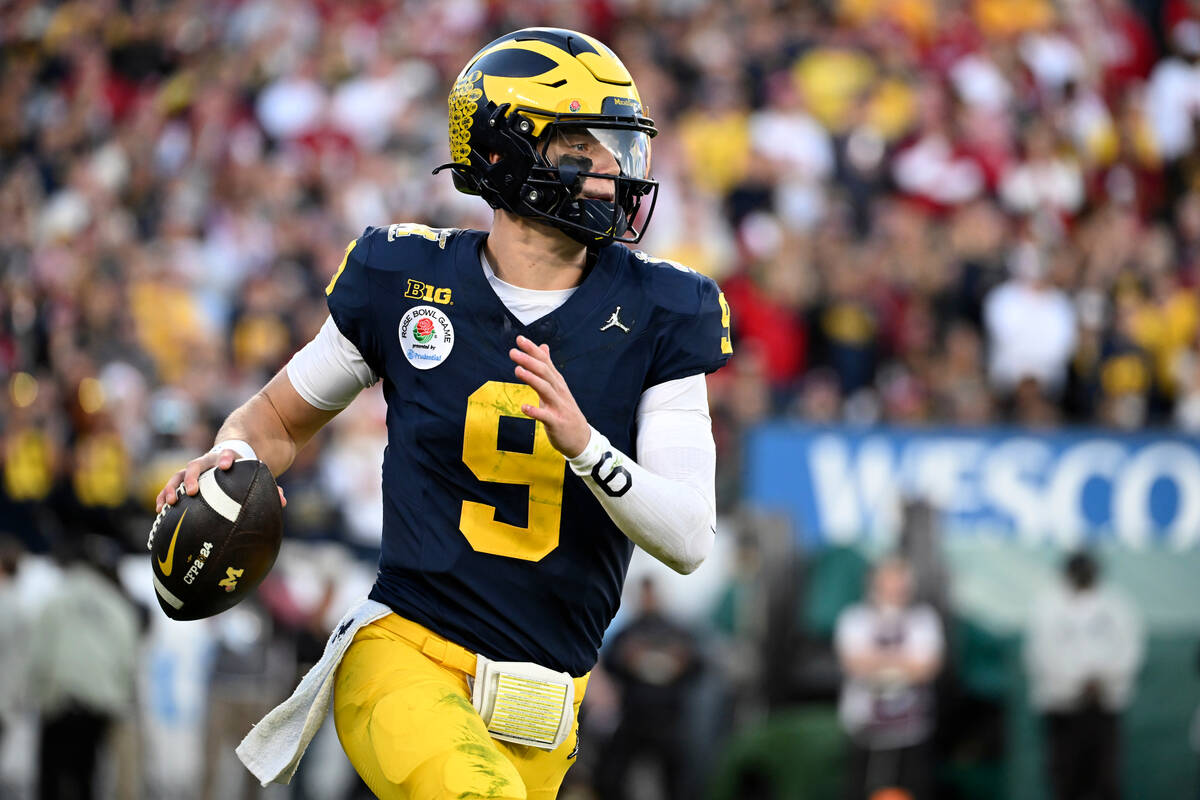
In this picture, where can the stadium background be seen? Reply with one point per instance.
(881, 188)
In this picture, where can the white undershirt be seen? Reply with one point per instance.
(525, 304)
(669, 508)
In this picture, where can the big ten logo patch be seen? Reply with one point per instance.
(427, 292)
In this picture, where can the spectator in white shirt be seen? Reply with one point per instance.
(1044, 179)
(1082, 653)
(890, 651)
(15, 708)
(797, 150)
(1031, 326)
(1173, 93)
(292, 105)
(83, 659)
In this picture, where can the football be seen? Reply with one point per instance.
(210, 550)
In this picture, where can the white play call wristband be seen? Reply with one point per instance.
(243, 449)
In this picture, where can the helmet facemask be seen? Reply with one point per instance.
(585, 176)
(589, 180)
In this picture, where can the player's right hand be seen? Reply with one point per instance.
(189, 476)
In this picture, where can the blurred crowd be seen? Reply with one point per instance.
(964, 212)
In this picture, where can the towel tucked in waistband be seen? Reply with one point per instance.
(273, 748)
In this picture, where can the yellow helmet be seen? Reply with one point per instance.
(528, 90)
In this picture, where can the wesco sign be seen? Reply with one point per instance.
(839, 485)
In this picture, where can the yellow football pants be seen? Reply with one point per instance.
(404, 715)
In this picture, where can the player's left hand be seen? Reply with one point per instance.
(566, 426)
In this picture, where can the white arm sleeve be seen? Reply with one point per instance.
(329, 371)
(666, 504)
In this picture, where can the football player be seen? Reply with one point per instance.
(547, 411)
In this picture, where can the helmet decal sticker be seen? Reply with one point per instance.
(464, 102)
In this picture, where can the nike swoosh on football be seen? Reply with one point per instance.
(169, 564)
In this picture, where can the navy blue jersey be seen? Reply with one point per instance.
(488, 538)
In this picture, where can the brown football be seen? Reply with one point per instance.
(210, 550)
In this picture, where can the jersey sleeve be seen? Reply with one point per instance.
(329, 372)
(693, 336)
(349, 298)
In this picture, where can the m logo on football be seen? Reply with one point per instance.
(229, 582)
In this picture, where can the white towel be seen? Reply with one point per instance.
(273, 748)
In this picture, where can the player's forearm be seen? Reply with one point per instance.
(276, 422)
(258, 423)
(669, 519)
